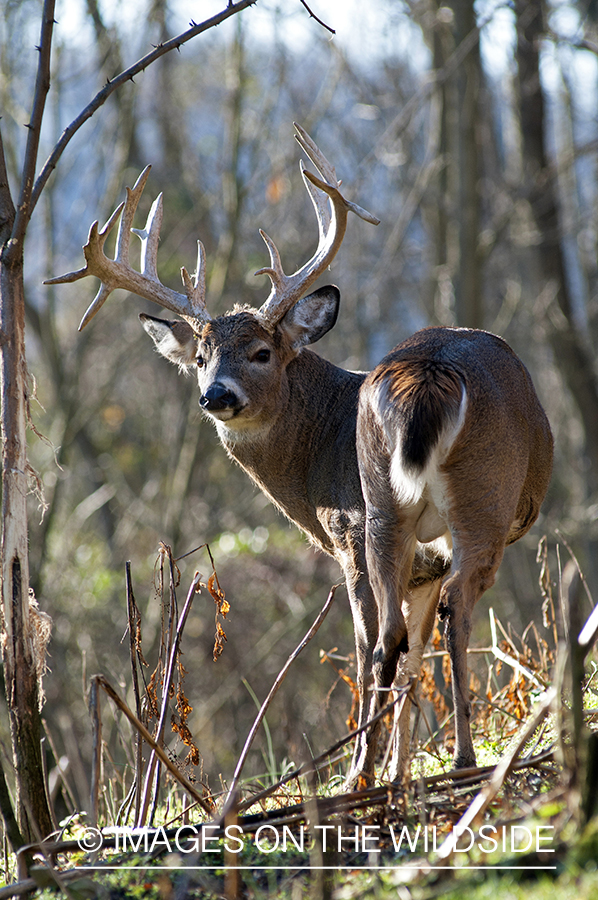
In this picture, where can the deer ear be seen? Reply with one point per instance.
(175, 340)
(312, 317)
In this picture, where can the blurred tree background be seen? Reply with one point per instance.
(470, 130)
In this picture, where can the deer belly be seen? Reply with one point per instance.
(430, 524)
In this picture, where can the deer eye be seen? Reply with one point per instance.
(200, 362)
(262, 356)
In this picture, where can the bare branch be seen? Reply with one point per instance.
(127, 75)
(7, 207)
(319, 21)
(26, 205)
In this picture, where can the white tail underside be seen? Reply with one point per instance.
(408, 483)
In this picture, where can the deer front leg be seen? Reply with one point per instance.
(365, 626)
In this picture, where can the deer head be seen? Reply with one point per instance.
(240, 357)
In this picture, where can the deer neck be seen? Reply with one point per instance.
(306, 461)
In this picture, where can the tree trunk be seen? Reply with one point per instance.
(458, 216)
(570, 349)
(22, 649)
(22, 661)
(468, 287)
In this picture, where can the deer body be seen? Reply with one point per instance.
(306, 461)
(454, 449)
(435, 460)
(443, 451)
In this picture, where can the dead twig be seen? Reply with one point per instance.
(510, 660)
(172, 656)
(96, 761)
(134, 620)
(103, 682)
(277, 682)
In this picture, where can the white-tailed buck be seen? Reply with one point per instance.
(414, 477)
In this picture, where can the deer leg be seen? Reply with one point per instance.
(365, 625)
(419, 609)
(389, 550)
(389, 554)
(473, 573)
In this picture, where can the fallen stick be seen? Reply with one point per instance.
(483, 800)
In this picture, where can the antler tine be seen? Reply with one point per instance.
(195, 288)
(275, 271)
(95, 239)
(118, 273)
(123, 240)
(150, 238)
(97, 302)
(328, 173)
(331, 211)
(311, 149)
(319, 201)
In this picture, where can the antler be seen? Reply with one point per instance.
(118, 273)
(332, 223)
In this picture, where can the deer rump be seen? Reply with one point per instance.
(438, 404)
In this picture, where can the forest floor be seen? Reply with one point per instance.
(523, 823)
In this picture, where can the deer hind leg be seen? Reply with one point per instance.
(390, 544)
(419, 609)
(473, 572)
(389, 554)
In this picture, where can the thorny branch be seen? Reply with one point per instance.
(7, 208)
(318, 20)
(126, 75)
(42, 86)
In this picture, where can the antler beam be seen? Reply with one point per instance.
(118, 273)
(331, 211)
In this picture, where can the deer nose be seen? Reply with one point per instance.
(218, 397)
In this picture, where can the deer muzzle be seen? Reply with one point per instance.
(218, 398)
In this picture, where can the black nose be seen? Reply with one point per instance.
(218, 397)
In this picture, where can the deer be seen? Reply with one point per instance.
(414, 476)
